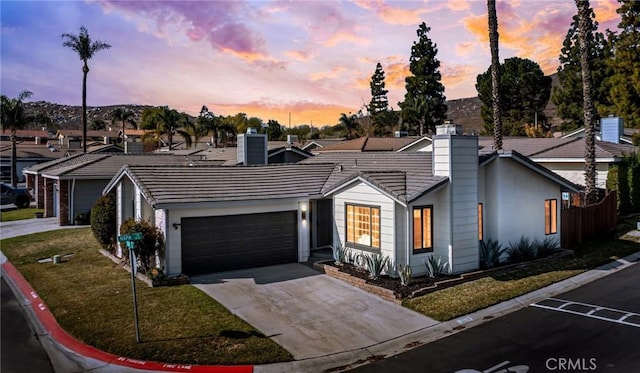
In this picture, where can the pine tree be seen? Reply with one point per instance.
(568, 96)
(379, 104)
(625, 81)
(424, 102)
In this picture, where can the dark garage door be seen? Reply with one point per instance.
(222, 243)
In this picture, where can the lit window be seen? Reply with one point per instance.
(550, 216)
(422, 229)
(480, 223)
(363, 226)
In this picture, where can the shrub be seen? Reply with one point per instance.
(339, 255)
(375, 264)
(146, 249)
(405, 273)
(103, 221)
(522, 250)
(547, 246)
(435, 266)
(491, 252)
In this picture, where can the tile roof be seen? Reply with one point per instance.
(29, 150)
(575, 149)
(105, 166)
(368, 144)
(168, 185)
(405, 176)
(525, 145)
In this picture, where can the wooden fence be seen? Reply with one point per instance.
(584, 223)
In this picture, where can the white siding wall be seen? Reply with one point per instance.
(363, 194)
(457, 157)
(173, 251)
(441, 229)
(125, 205)
(574, 172)
(514, 205)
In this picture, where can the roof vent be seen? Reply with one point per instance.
(448, 128)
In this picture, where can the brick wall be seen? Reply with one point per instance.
(63, 200)
(360, 283)
(48, 185)
(39, 191)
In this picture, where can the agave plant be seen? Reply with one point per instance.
(339, 255)
(436, 266)
(522, 250)
(491, 252)
(405, 273)
(546, 246)
(375, 264)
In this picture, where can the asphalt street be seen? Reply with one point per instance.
(594, 328)
(20, 349)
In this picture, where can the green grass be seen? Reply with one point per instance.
(474, 295)
(91, 298)
(19, 214)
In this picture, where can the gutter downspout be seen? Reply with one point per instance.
(408, 242)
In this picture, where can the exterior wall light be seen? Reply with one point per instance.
(303, 209)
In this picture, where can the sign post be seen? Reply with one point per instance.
(131, 239)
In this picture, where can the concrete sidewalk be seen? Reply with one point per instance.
(29, 226)
(69, 355)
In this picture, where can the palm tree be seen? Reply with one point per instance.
(350, 124)
(167, 122)
(125, 116)
(495, 74)
(82, 45)
(584, 12)
(13, 118)
(209, 123)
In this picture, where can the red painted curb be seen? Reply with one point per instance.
(63, 338)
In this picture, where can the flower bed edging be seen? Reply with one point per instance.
(169, 281)
(357, 282)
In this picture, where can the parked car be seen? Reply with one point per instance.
(18, 196)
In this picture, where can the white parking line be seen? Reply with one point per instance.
(590, 313)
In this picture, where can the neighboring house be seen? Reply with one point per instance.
(376, 144)
(565, 156)
(319, 143)
(72, 139)
(611, 129)
(406, 206)
(68, 186)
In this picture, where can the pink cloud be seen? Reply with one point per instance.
(392, 15)
(452, 74)
(298, 55)
(213, 22)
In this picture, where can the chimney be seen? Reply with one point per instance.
(38, 140)
(611, 129)
(252, 149)
(448, 128)
(105, 140)
(456, 157)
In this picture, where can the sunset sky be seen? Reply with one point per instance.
(313, 59)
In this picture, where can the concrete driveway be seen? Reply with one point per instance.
(29, 226)
(307, 312)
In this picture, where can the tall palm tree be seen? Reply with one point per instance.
(13, 118)
(584, 12)
(495, 74)
(125, 116)
(350, 124)
(85, 48)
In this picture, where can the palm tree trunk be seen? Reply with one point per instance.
(85, 71)
(495, 75)
(587, 103)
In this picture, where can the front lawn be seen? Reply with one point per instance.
(91, 299)
(19, 214)
(474, 295)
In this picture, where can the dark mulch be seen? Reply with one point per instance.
(401, 292)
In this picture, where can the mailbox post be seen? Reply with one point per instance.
(130, 240)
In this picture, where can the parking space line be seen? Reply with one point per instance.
(563, 304)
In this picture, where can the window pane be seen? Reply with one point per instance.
(375, 227)
(363, 225)
(417, 229)
(426, 228)
(480, 223)
(547, 216)
(554, 216)
(350, 224)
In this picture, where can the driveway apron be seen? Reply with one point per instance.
(307, 312)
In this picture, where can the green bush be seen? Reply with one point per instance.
(146, 249)
(103, 221)
(491, 252)
(522, 250)
(436, 266)
(634, 181)
(547, 246)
